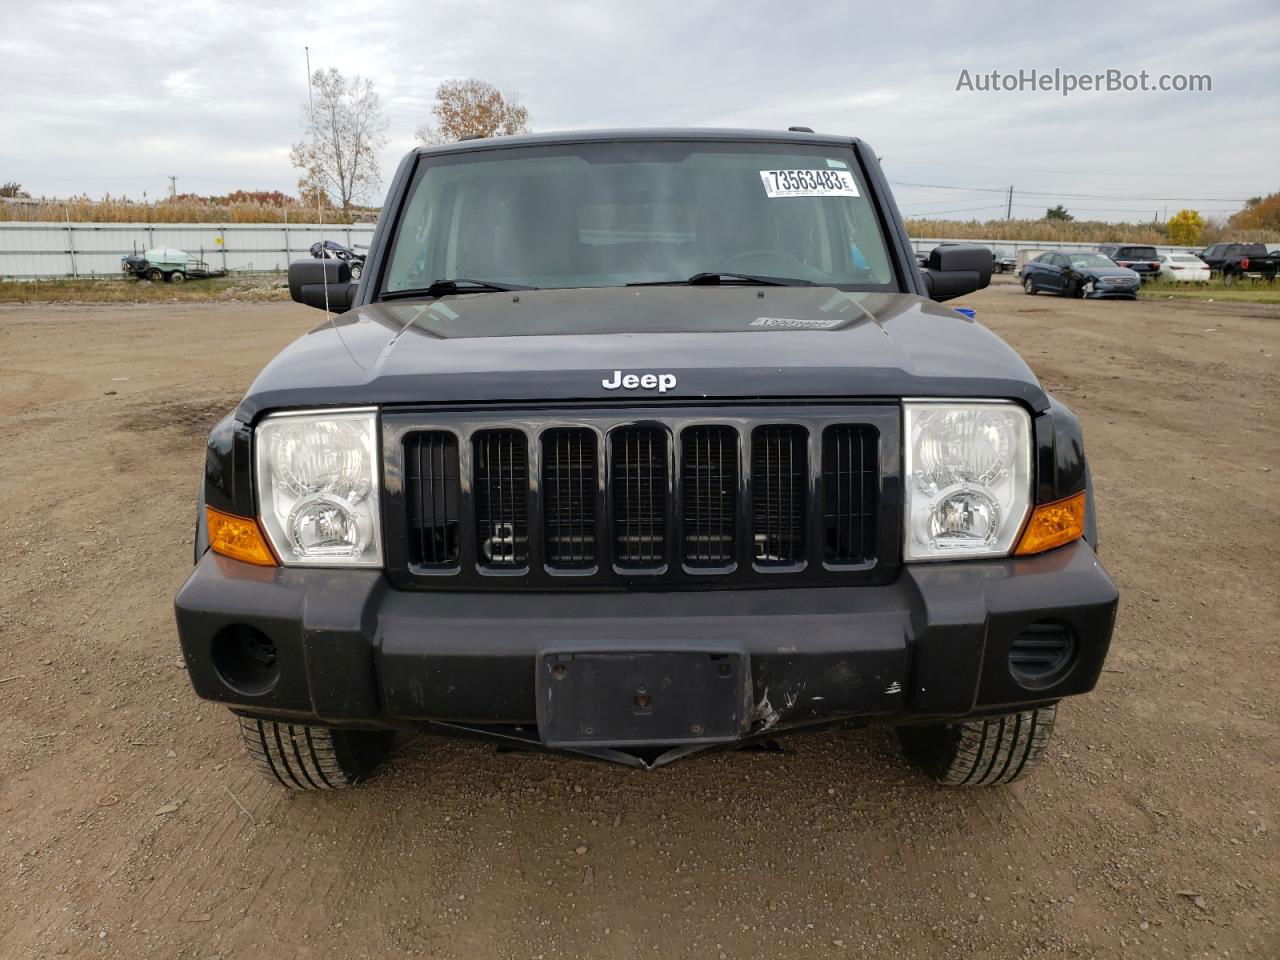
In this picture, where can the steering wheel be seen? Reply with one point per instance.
(728, 261)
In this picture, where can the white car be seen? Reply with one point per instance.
(1183, 268)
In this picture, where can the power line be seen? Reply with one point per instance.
(939, 186)
(938, 213)
(1115, 196)
(1036, 206)
(1113, 173)
(929, 201)
(1069, 196)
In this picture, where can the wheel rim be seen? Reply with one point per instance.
(1028, 286)
(178, 276)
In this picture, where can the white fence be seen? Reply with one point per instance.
(1012, 248)
(29, 250)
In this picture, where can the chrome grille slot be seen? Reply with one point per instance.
(638, 480)
(501, 493)
(709, 482)
(850, 482)
(569, 489)
(432, 504)
(779, 485)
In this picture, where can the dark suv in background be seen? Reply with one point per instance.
(1144, 261)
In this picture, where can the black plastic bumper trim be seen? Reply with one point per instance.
(932, 644)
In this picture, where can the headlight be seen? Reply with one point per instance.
(968, 478)
(317, 477)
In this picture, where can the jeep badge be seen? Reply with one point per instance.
(640, 381)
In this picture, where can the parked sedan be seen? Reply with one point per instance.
(1071, 274)
(1183, 268)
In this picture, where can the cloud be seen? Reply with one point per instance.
(102, 98)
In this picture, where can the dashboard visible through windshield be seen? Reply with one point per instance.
(642, 212)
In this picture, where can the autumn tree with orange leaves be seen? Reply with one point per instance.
(473, 108)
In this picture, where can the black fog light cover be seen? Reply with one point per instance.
(245, 659)
(1042, 654)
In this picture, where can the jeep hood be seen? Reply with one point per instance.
(731, 342)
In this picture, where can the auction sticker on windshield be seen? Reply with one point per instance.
(808, 183)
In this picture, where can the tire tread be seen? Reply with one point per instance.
(987, 751)
(300, 756)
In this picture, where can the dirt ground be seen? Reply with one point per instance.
(131, 825)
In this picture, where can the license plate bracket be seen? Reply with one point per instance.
(637, 699)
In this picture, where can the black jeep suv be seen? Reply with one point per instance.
(636, 444)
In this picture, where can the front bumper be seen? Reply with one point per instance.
(349, 650)
(1102, 291)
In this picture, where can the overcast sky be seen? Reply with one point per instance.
(112, 97)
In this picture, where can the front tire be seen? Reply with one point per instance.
(981, 753)
(1029, 285)
(356, 269)
(303, 757)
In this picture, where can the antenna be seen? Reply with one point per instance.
(173, 185)
(324, 267)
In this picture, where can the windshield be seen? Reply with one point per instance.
(1090, 260)
(610, 214)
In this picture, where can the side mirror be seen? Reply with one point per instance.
(308, 279)
(956, 269)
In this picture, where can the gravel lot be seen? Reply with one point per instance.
(131, 826)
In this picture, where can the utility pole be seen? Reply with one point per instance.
(1008, 210)
(173, 186)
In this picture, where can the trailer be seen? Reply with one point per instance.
(169, 265)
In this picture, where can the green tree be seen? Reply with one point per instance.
(1185, 227)
(473, 108)
(1058, 213)
(13, 191)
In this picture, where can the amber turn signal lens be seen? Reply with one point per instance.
(1052, 525)
(239, 538)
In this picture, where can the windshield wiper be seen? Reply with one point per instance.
(711, 278)
(442, 288)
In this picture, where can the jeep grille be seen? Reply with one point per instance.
(764, 497)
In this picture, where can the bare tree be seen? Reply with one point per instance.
(345, 131)
(468, 108)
